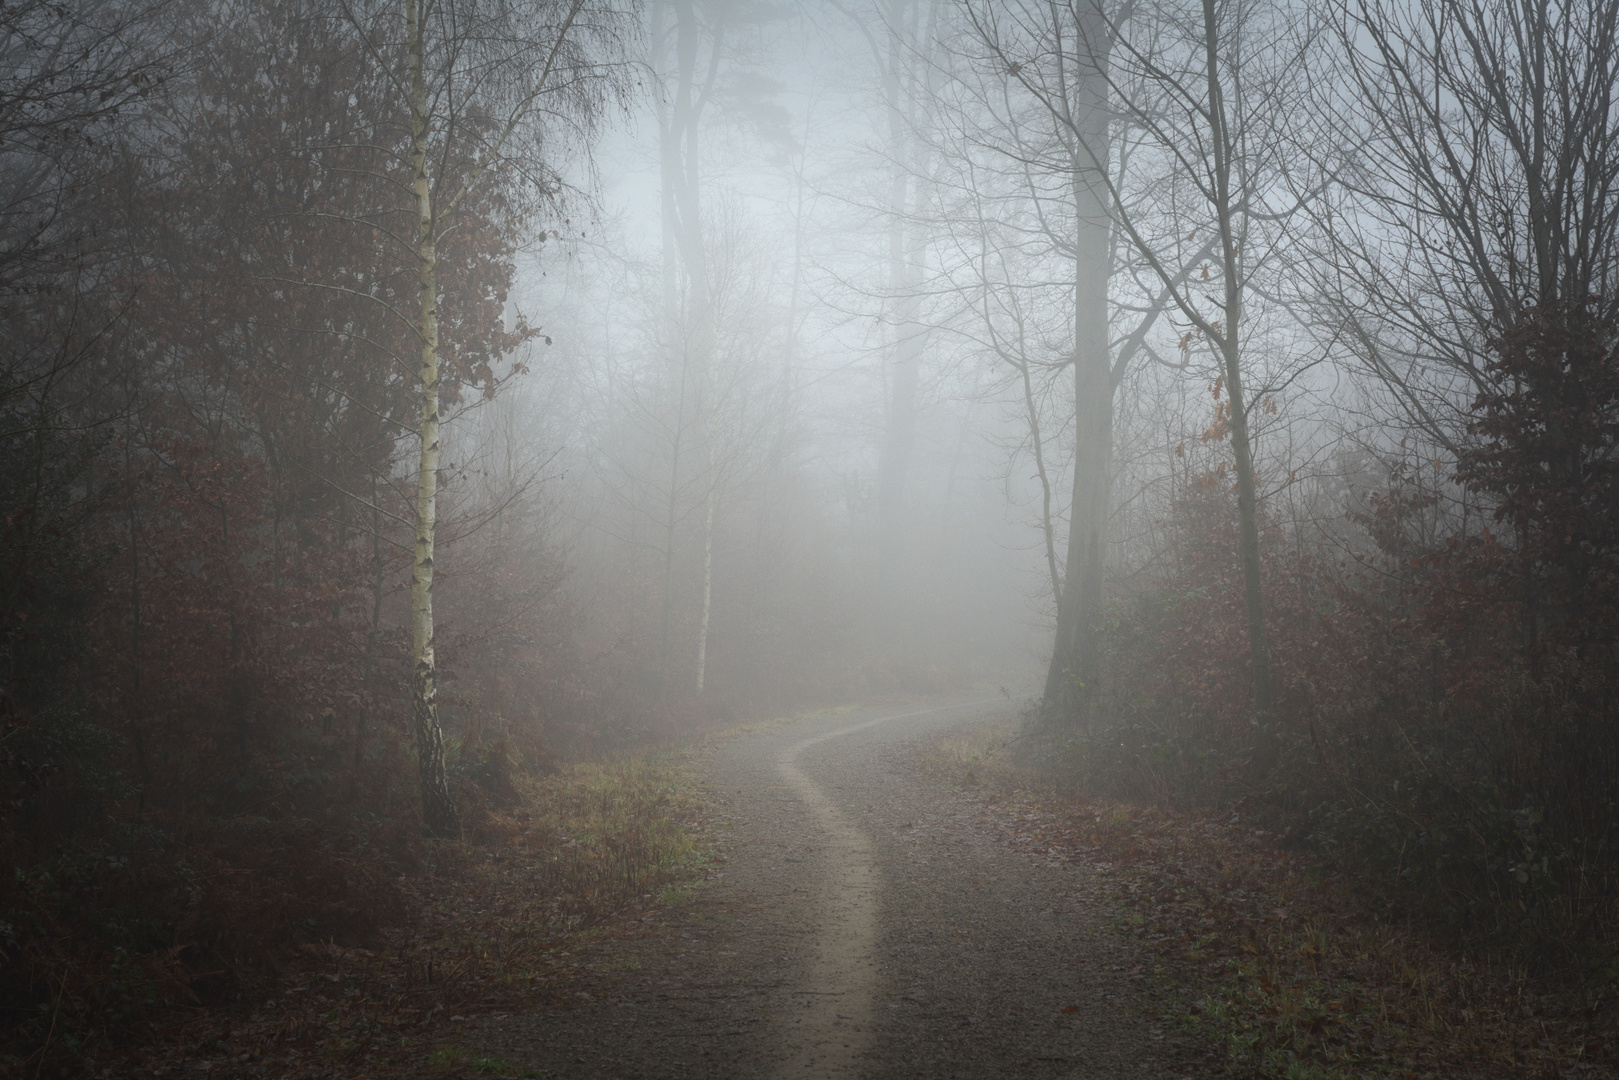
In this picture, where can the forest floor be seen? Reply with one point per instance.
(881, 892)
(1275, 958)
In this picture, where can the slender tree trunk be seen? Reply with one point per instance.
(682, 204)
(136, 691)
(1038, 443)
(1248, 515)
(711, 501)
(899, 426)
(369, 674)
(1231, 357)
(708, 571)
(668, 166)
(670, 519)
(438, 808)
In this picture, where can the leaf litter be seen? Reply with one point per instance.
(1275, 956)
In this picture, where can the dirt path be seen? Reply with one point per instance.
(866, 922)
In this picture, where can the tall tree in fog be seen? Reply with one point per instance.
(1055, 56)
(1479, 180)
(498, 92)
(681, 30)
(902, 40)
(1218, 91)
(910, 26)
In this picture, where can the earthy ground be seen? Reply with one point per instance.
(862, 920)
(890, 892)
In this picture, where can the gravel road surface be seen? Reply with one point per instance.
(867, 922)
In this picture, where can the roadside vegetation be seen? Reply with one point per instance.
(1292, 959)
(284, 946)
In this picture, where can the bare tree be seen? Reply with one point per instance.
(1216, 92)
(1039, 76)
(687, 301)
(65, 73)
(1477, 151)
(1054, 57)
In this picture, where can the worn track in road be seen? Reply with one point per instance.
(869, 922)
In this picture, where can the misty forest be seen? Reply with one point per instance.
(809, 538)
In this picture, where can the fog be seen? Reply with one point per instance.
(783, 353)
(404, 400)
(817, 575)
(883, 424)
(725, 358)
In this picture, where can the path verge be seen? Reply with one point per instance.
(593, 855)
(1278, 959)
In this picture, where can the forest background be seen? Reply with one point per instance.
(790, 355)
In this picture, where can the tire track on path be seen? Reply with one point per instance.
(833, 1028)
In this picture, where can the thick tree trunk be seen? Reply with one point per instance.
(1074, 675)
(683, 239)
(438, 808)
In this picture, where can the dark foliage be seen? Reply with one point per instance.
(204, 397)
(1443, 660)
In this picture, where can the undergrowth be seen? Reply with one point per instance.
(438, 929)
(1277, 956)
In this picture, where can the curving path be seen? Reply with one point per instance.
(868, 923)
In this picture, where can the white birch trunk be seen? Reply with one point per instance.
(708, 571)
(438, 808)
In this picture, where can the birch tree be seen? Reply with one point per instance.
(689, 313)
(500, 97)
